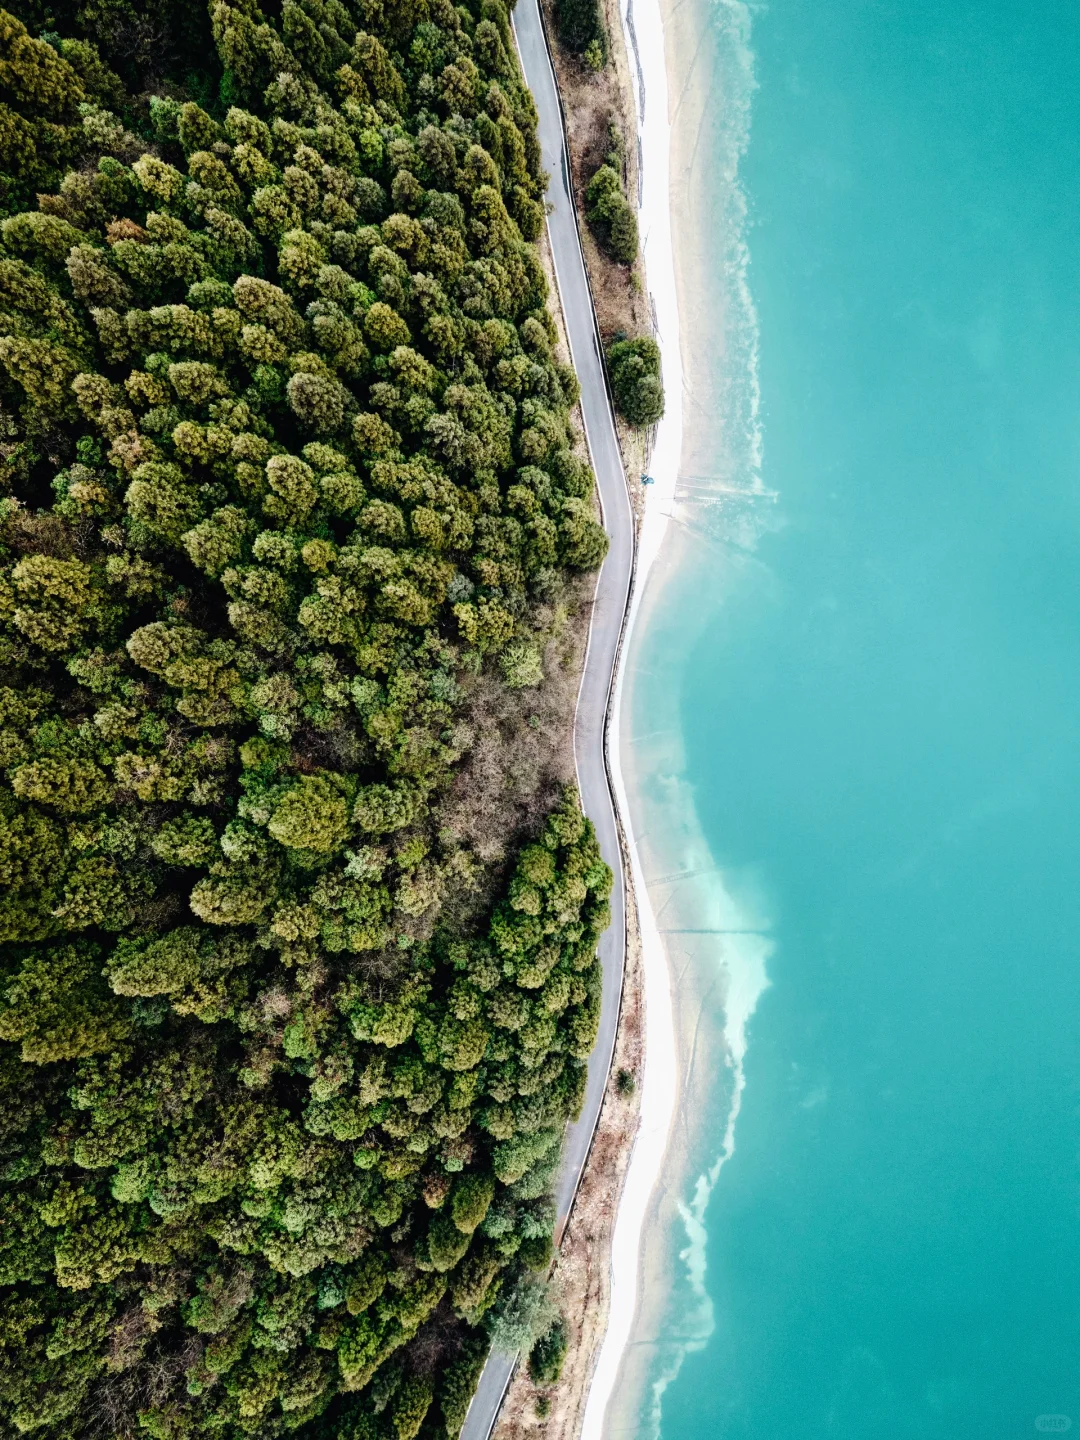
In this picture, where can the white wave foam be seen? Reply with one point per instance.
(724, 436)
(721, 928)
(747, 982)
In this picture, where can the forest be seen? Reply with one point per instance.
(286, 465)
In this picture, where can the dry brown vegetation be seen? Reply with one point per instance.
(522, 748)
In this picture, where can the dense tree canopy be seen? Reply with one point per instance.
(285, 455)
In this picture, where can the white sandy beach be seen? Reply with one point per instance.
(643, 26)
(696, 921)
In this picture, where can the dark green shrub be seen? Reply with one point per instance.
(610, 214)
(536, 1251)
(459, 1381)
(548, 1354)
(469, 1201)
(635, 379)
(40, 125)
(139, 39)
(623, 235)
(523, 1312)
(581, 24)
(411, 1404)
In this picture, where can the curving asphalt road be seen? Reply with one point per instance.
(609, 612)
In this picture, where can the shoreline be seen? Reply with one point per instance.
(717, 942)
(712, 945)
(643, 32)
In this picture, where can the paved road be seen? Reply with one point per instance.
(612, 591)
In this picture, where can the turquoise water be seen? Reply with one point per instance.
(880, 725)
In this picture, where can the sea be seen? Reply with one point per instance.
(851, 731)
